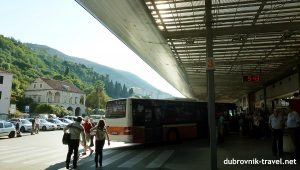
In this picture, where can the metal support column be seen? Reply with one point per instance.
(210, 85)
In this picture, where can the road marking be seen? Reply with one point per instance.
(32, 156)
(115, 158)
(159, 161)
(63, 158)
(7, 147)
(131, 162)
(13, 151)
(47, 159)
(58, 157)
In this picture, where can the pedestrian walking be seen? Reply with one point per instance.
(75, 129)
(18, 126)
(276, 126)
(33, 126)
(92, 135)
(101, 135)
(293, 124)
(37, 124)
(87, 129)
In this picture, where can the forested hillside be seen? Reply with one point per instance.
(122, 77)
(27, 65)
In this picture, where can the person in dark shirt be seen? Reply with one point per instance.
(33, 126)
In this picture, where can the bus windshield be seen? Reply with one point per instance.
(116, 109)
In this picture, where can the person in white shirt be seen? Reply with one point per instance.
(276, 126)
(292, 123)
(75, 129)
(37, 125)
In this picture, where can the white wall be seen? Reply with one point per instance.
(5, 88)
(280, 89)
(283, 87)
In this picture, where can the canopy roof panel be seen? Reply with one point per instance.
(250, 37)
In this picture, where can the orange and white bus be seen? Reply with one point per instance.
(154, 120)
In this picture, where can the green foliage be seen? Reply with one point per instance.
(44, 109)
(28, 64)
(60, 111)
(22, 102)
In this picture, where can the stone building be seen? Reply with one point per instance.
(5, 91)
(55, 92)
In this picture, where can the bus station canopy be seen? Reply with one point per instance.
(250, 37)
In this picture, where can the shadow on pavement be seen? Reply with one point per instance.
(57, 166)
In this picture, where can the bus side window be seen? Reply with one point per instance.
(148, 115)
(157, 114)
(138, 114)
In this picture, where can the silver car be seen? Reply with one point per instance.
(59, 124)
(25, 125)
(7, 129)
(45, 125)
(65, 120)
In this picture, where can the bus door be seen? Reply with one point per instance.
(153, 126)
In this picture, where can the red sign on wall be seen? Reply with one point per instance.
(210, 63)
(254, 78)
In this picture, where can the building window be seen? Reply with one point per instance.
(1, 79)
(0, 94)
(41, 85)
(34, 86)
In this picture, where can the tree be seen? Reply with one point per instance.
(130, 93)
(98, 98)
(44, 108)
(21, 102)
(99, 86)
(60, 111)
(67, 71)
(124, 92)
(58, 77)
(118, 90)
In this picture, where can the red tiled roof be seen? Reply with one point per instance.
(62, 86)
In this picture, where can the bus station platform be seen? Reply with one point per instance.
(195, 155)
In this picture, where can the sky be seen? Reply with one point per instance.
(67, 27)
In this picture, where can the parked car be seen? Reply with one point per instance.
(30, 119)
(7, 129)
(65, 120)
(59, 124)
(45, 125)
(26, 125)
(73, 118)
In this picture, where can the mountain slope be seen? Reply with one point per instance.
(140, 86)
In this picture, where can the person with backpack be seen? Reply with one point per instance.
(101, 135)
(75, 130)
